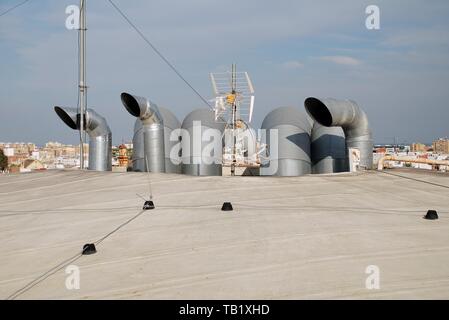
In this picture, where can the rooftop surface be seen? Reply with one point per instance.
(288, 238)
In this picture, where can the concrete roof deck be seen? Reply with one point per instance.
(288, 238)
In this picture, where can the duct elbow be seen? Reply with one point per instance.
(339, 113)
(100, 142)
(149, 134)
(96, 125)
(353, 120)
(141, 108)
(69, 116)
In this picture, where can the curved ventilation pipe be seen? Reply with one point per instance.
(202, 144)
(328, 149)
(172, 143)
(152, 131)
(100, 137)
(348, 115)
(289, 149)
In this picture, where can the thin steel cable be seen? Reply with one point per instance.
(44, 276)
(414, 179)
(158, 53)
(119, 227)
(14, 7)
(67, 262)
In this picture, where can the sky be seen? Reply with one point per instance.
(292, 50)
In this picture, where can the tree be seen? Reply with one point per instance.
(3, 161)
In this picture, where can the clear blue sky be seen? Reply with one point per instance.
(292, 49)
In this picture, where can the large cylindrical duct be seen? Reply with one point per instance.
(328, 149)
(100, 137)
(172, 141)
(202, 144)
(138, 160)
(287, 133)
(348, 115)
(100, 142)
(152, 130)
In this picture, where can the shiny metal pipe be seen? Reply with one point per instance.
(100, 136)
(328, 150)
(152, 131)
(289, 154)
(348, 115)
(195, 161)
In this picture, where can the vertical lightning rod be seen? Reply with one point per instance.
(82, 77)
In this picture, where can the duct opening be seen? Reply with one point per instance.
(66, 118)
(318, 111)
(130, 104)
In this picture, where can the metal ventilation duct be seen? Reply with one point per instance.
(138, 160)
(348, 115)
(172, 147)
(152, 131)
(196, 158)
(328, 149)
(172, 141)
(100, 137)
(291, 156)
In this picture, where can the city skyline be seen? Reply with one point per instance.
(129, 142)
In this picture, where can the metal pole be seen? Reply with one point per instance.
(234, 119)
(82, 76)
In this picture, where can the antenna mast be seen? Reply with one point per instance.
(82, 78)
(233, 99)
(234, 103)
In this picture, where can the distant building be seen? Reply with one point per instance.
(123, 158)
(418, 147)
(19, 148)
(441, 146)
(9, 152)
(17, 160)
(31, 165)
(391, 149)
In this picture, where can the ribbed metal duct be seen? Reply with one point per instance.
(152, 131)
(196, 158)
(328, 149)
(348, 115)
(290, 154)
(100, 137)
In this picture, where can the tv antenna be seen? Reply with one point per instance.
(234, 103)
(234, 95)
